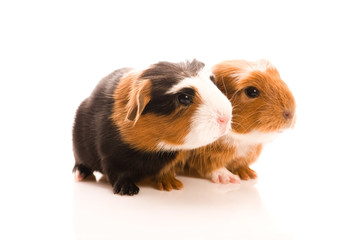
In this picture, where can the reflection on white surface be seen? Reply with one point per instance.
(202, 210)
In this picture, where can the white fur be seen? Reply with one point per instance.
(204, 128)
(253, 137)
(200, 81)
(243, 142)
(248, 67)
(263, 65)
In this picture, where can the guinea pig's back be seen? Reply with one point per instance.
(91, 114)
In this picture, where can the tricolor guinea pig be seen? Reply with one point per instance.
(263, 106)
(135, 124)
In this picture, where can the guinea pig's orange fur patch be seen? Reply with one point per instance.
(166, 180)
(149, 130)
(264, 114)
(217, 155)
(211, 157)
(240, 165)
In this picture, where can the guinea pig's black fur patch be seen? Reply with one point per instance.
(164, 75)
(166, 104)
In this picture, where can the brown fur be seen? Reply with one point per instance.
(142, 133)
(240, 165)
(264, 114)
(166, 180)
(211, 157)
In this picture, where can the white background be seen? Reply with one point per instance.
(52, 53)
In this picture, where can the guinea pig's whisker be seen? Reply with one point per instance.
(231, 99)
(246, 118)
(236, 115)
(253, 125)
(224, 86)
(249, 127)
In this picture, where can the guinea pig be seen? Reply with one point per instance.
(135, 124)
(263, 107)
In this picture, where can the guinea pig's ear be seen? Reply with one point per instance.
(140, 99)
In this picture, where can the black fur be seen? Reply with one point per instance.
(164, 75)
(167, 103)
(97, 143)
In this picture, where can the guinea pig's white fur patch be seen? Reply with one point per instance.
(262, 65)
(253, 137)
(243, 142)
(248, 67)
(204, 127)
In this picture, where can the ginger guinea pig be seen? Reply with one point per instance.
(263, 106)
(135, 123)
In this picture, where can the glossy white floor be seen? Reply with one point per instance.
(201, 211)
(53, 54)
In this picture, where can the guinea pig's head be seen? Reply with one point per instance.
(177, 106)
(262, 102)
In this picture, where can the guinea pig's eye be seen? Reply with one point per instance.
(252, 92)
(213, 78)
(185, 99)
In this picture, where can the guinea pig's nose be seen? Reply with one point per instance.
(287, 114)
(224, 123)
(223, 120)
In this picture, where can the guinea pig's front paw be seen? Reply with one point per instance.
(168, 183)
(245, 173)
(222, 175)
(125, 188)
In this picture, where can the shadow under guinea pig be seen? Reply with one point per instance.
(200, 209)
